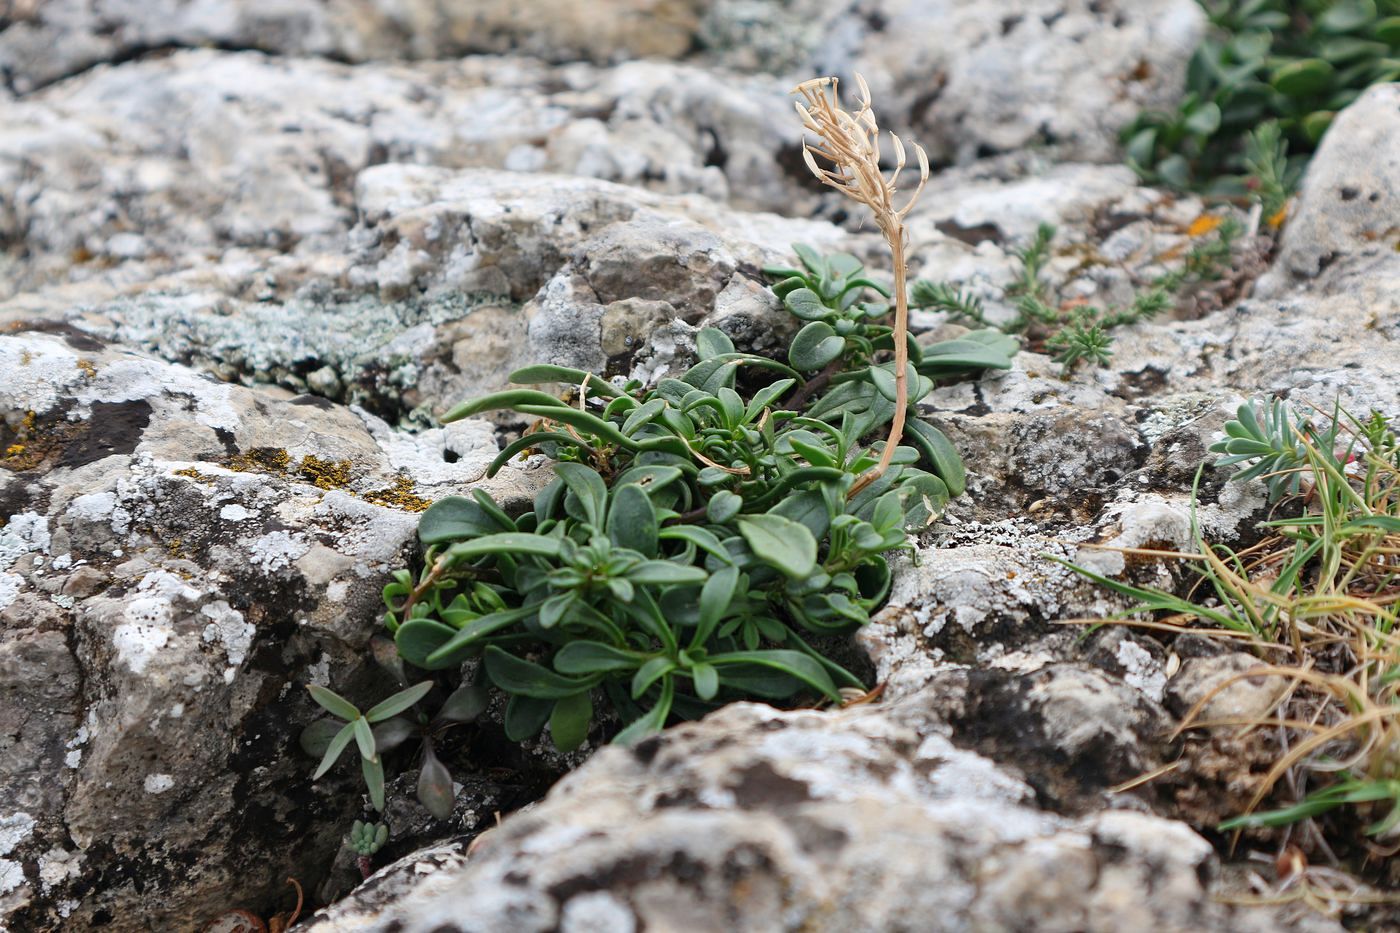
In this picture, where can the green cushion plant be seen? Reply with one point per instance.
(702, 538)
(1290, 62)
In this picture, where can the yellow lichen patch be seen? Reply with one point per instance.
(25, 358)
(398, 496)
(1206, 223)
(259, 460)
(195, 475)
(87, 368)
(325, 474)
(21, 451)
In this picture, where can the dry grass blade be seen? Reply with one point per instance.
(850, 143)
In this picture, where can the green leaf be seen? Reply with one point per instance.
(334, 749)
(939, 453)
(781, 543)
(466, 703)
(888, 514)
(453, 519)
(508, 542)
(589, 490)
(810, 258)
(399, 702)
(1142, 147)
(510, 399)
(391, 733)
(810, 447)
(544, 372)
(568, 723)
(649, 673)
(519, 677)
(732, 405)
(526, 716)
(1204, 120)
(723, 506)
(555, 608)
(1317, 123)
(317, 737)
(632, 520)
(807, 305)
(715, 598)
(583, 421)
(652, 478)
(1175, 171)
(766, 396)
(651, 722)
(1347, 16)
(594, 657)
(460, 644)
(373, 770)
(711, 341)
(808, 508)
(706, 679)
(924, 497)
(435, 786)
(702, 538)
(967, 354)
(665, 573)
(417, 639)
(843, 265)
(535, 439)
(364, 737)
(1303, 77)
(815, 346)
(333, 702)
(643, 415)
(792, 663)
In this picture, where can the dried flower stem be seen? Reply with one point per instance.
(851, 143)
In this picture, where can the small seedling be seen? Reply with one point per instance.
(367, 839)
(1075, 332)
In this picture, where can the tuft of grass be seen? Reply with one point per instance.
(1319, 596)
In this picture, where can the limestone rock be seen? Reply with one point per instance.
(759, 820)
(461, 278)
(178, 557)
(973, 78)
(1350, 197)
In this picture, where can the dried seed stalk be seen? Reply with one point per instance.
(851, 143)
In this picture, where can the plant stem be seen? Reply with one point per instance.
(814, 385)
(895, 235)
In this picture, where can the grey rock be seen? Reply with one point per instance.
(1350, 196)
(1219, 689)
(178, 556)
(759, 820)
(970, 78)
(536, 268)
(41, 45)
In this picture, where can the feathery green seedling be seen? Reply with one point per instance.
(1076, 332)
